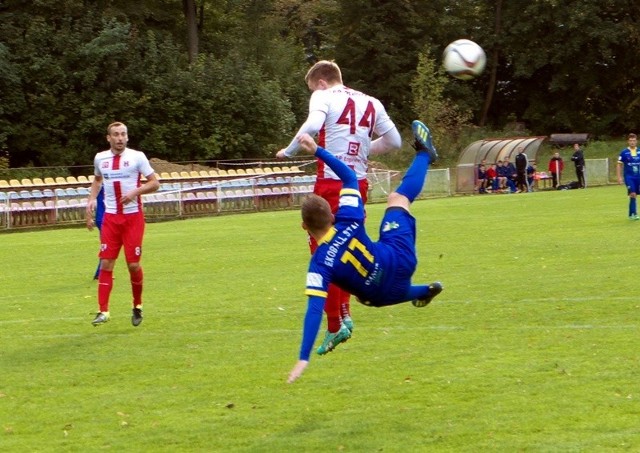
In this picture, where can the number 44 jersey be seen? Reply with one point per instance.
(352, 120)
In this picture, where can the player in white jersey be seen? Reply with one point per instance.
(118, 171)
(345, 122)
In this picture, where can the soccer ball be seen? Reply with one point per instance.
(464, 59)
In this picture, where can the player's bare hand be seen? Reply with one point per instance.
(90, 209)
(128, 197)
(281, 155)
(307, 143)
(297, 370)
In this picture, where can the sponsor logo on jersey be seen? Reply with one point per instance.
(354, 148)
(388, 226)
(314, 280)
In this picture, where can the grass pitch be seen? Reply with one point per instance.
(532, 346)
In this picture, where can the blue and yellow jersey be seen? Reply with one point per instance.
(630, 159)
(347, 257)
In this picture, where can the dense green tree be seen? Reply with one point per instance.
(77, 70)
(226, 78)
(571, 65)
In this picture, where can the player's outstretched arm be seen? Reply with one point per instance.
(314, 123)
(387, 143)
(297, 370)
(346, 174)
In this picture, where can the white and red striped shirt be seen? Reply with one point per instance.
(120, 174)
(352, 119)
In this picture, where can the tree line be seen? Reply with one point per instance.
(212, 80)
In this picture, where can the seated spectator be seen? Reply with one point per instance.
(502, 176)
(511, 175)
(492, 178)
(481, 179)
(531, 173)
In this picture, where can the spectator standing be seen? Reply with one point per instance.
(522, 162)
(345, 121)
(578, 159)
(629, 160)
(118, 170)
(556, 166)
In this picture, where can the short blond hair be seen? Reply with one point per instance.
(325, 70)
(115, 124)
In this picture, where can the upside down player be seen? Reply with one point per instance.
(377, 273)
(345, 121)
(118, 171)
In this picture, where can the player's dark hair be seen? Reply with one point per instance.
(632, 135)
(316, 213)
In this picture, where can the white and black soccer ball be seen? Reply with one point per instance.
(464, 59)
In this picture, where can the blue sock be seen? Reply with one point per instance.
(632, 206)
(414, 292)
(413, 180)
(417, 292)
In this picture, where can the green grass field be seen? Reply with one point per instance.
(532, 346)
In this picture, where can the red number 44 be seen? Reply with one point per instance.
(348, 117)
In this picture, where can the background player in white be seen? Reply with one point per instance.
(345, 122)
(119, 170)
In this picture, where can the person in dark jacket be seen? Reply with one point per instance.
(578, 160)
(521, 170)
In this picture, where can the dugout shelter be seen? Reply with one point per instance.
(492, 150)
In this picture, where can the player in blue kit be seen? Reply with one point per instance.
(629, 159)
(98, 222)
(377, 273)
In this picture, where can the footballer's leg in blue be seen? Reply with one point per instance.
(410, 187)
